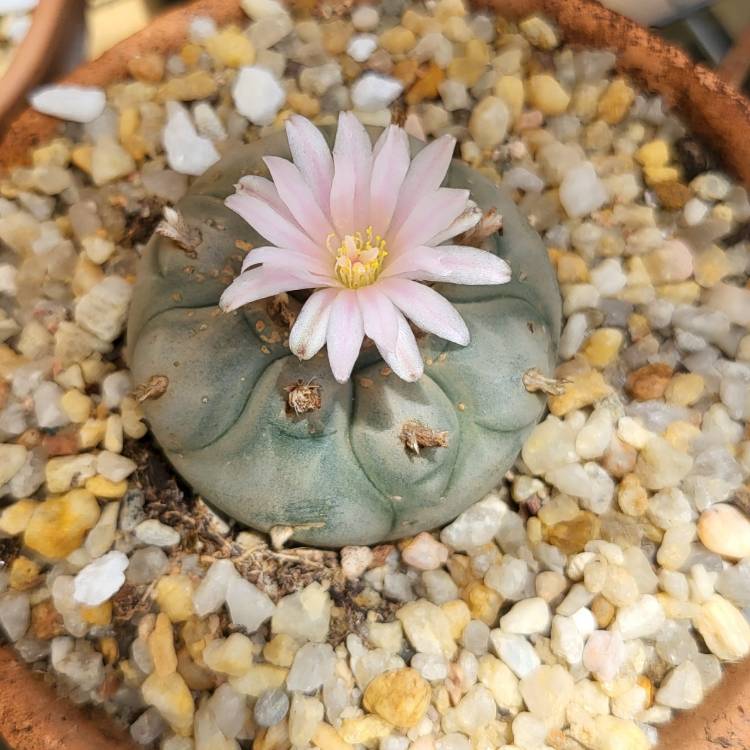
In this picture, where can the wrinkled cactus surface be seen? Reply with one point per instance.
(340, 474)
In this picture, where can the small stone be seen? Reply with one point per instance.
(616, 101)
(489, 121)
(401, 697)
(12, 458)
(724, 629)
(313, 665)
(724, 529)
(231, 48)
(355, 561)
(58, 525)
(547, 692)
(640, 620)
(304, 615)
(271, 708)
(612, 733)
(257, 95)
(146, 565)
(685, 389)
(157, 534)
(191, 87)
(573, 535)
(15, 614)
(454, 95)
(424, 552)
(365, 17)
(174, 595)
(15, 518)
(187, 152)
(257, 9)
(682, 688)
(248, 606)
(212, 591)
(73, 103)
(304, 717)
(232, 655)
(148, 67)
(47, 406)
(104, 308)
(673, 195)
(317, 80)
(110, 161)
(604, 654)
(361, 46)
(550, 445)
(427, 628)
(581, 191)
(475, 526)
(547, 95)
(603, 346)
(397, 40)
(171, 697)
(501, 682)
(373, 92)
(257, 678)
(660, 465)
(100, 579)
(526, 617)
(711, 186)
(113, 466)
(539, 32)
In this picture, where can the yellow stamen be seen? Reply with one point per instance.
(359, 258)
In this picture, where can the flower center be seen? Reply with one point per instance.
(359, 258)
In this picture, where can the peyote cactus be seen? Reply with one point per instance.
(275, 441)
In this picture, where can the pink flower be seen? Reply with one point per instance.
(362, 227)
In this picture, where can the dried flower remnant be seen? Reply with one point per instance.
(535, 382)
(362, 227)
(302, 397)
(490, 223)
(415, 436)
(155, 388)
(174, 227)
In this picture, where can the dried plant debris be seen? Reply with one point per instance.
(490, 223)
(154, 388)
(535, 382)
(174, 227)
(302, 397)
(415, 436)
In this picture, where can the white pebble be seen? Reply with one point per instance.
(157, 534)
(258, 95)
(373, 92)
(74, 103)
(187, 152)
(361, 46)
(100, 579)
(581, 191)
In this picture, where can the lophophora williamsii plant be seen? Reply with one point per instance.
(432, 311)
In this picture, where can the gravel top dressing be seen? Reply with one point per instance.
(591, 596)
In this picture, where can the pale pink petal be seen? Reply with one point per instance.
(308, 334)
(427, 309)
(271, 224)
(431, 214)
(261, 283)
(389, 166)
(312, 157)
(405, 359)
(452, 264)
(265, 190)
(467, 220)
(350, 189)
(426, 174)
(282, 258)
(299, 199)
(344, 334)
(379, 315)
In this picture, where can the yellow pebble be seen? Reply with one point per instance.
(174, 595)
(457, 30)
(76, 405)
(128, 123)
(190, 54)
(81, 156)
(684, 293)
(401, 697)
(711, 266)
(280, 650)
(657, 175)
(113, 434)
(303, 104)
(109, 649)
(106, 489)
(15, 518)
(327, 738)
(616, 101)
(161, 646)
(24, 573)
(685, 389)
(230, 47)
(397, 40)
(534, 530)
(603, 347)
(484, 602)
(680, 435)
(511, 90)
(363, 730)
(582, 390)
(458, 614)
(653, 154)
(546, 94)
(99, 615)
(91, 433)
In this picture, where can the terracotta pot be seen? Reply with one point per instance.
(53, 45)
(31, 716)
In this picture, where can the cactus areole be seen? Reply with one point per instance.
(274, 440)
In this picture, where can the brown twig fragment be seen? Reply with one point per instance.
(154, 388)
(302, 397)
(415, 436)
(534, 381)
(280, 311)
(490, 223)
(174, 227)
